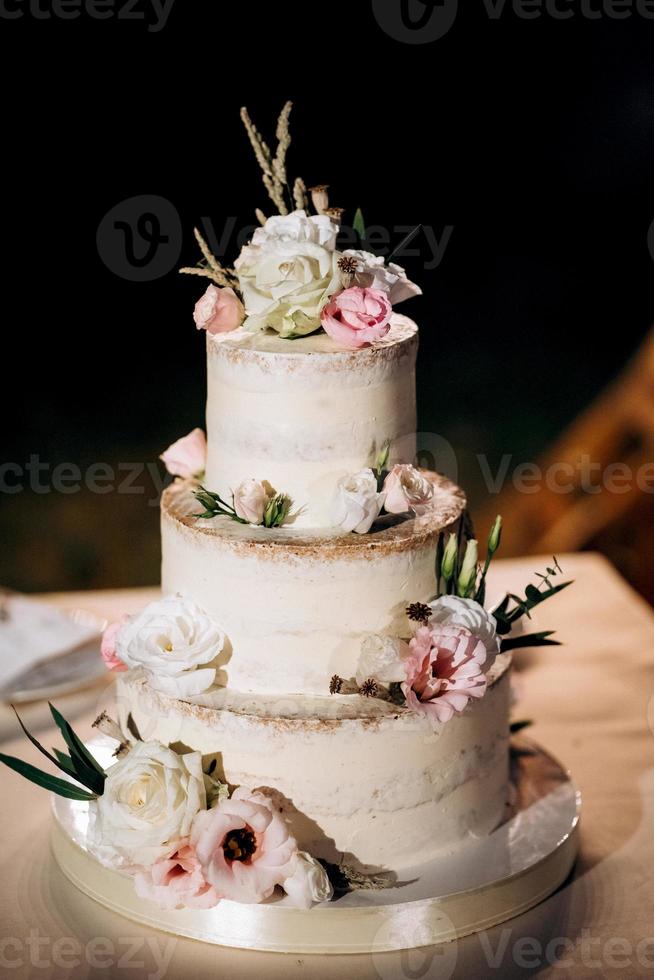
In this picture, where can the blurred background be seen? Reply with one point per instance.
(523, 146)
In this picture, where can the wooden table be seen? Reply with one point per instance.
(592, 702)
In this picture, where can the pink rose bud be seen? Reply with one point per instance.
(108, 646)
(219, 310)
(187, 457)
(406, 488)
(357, 316)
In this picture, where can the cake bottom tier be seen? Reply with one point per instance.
(380, 790)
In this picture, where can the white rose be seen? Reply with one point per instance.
(297, 227)
(308, 883)
(357, 503)
(172, 639)
(285, 284)
(390, 278)
(382, 659)
(150, 798)
(450, 610)
(251, 498)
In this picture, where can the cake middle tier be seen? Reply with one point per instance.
(294, 605)
(304, 413)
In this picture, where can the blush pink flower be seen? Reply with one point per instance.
(357, 316)
(218, 310)
(406, 488)
(244, 847)
(187, 457)
(108, 645)
(444, 671)
(177, 881)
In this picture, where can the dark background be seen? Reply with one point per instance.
(531, 138)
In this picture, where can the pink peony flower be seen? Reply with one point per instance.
(443, 671)
(218, 310)
(177, 881)
(108, 645)
(406, 488)
(357, 316)
(244, 847)
(187, 457)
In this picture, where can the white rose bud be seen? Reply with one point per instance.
(381, 659)
(358, 502)
(308, 883)
(251, 499)
(150, 798)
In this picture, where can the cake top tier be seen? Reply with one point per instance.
(301, 361)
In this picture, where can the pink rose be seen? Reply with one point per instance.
(219, 310)
(108, 645)
(357, 316)
(188, 456)
(443, 671)
(244, 847)
(406, 488)
(177, 881)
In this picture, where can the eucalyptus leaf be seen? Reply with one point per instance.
(529, 640)
(89, 771)
(56, 785)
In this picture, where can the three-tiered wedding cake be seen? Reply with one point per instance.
(355, 775)
(320, 699)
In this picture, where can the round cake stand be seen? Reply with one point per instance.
(482, 883)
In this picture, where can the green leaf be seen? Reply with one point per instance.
(34, 741)
(59, 786)
(517, 726)
(89, 771)
(534, 597)
(66, 763)
(406, 241)
(529, 640)
(359, 225)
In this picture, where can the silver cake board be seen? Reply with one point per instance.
(484, 882)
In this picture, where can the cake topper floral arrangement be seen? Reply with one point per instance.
(448, 659)
(292, 278)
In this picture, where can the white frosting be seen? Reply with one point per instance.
(295, 612)
(304, 413)
(384, 790)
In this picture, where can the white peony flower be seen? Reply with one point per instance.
(285, 284)
(357, 503)
(308, 883)
(251, 498)
(382, 659)
(450, 610)
(175, 641)
(297, 227)
(149, 801)
(390, 278)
